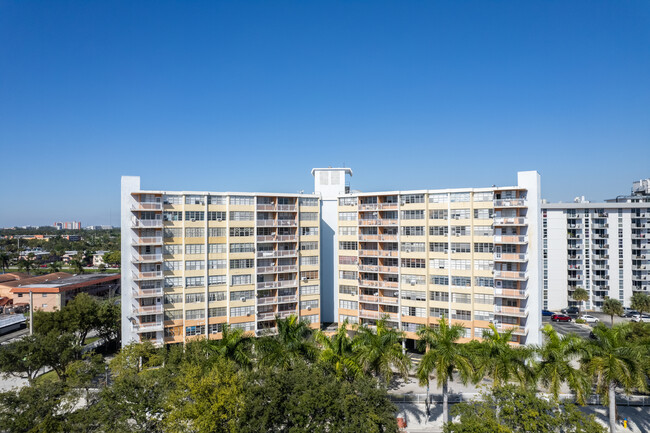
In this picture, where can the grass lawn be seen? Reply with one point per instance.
(50, 376)
(91, 340)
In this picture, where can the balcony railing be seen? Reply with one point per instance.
(510, 311)
(147, 309)
(510, 293)
(287, 298)
(277, 238)
(267, 300)
(514, 202)
(371, 314)
(148, 326)
(144, 205)
(510, 275)
(149, 275)
(146, 293)
(514, 221)
(140, 223)
(517, 330)
(140, 258)
(510, 239)
(510, 257)
(373, 283)
(277, 284)
(276, 253)
(274, 269)
(147, 240)
(378, 222)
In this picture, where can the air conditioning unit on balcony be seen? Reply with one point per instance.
(243, 299)
(308, 308)
(305, 279)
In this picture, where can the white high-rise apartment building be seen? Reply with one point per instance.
(600, 247)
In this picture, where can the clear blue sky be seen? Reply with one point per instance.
(251, 95)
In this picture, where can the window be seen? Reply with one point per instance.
(348, 260)
(439, 230)
(414, 295)
(414, 214)
(305, 201)
(460, 230)
(194, 199)
(412, 198)
(438, 247)
(439, 296)
(172, 265)
(217, 264)
(308, 246)
(173, 282)
(215, 328)
(195, 314)
(309, 261)
(173, 249)
(241, 231)
(216, 216)
(413, 247)
(440, 280)
(241, 216)
(246, 326)
(311, 304)
(412, 230)
(309, 231)
(456, 197)
(194, 265)
(484, 281)
(217, 232)
(350, 319)
(483, 231)
(242, 200)
(459, 214)
(347, 201)
(481, 247)
(172, 216)
(309, 275)
(345, 245)
(439, 198)
(483, 265)
(461, 247)
(308, 216)
(461, 281)
(462, 265)
(172, 199)
(483, 315)
(216, 248)
(438, 312)
(194, 249)
(170, 232)
(194, 281)
(248, 310)
(481, 298)
(347, 216)
(347, 231)
(483, 214)
(216, 280)
(461, 314)
(461, 298)
(348, 290)
(242, 263)
(439, 263)
(173, 314)
(239, 294)
(240, 280)
(438, 214)
(413, 280)
(312, 318)
(484, 196)
(414, 263)
(194, 215)
(242, 248)
(173, 298)
(194, 232)
(191, 331)
(348, 305)
(216, 199)
(194, 297)
(216, 296)
(309, 290)
(347, 275)
(414, 312)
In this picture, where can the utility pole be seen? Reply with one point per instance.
(31, 312)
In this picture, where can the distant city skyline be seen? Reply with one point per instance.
(250, 96)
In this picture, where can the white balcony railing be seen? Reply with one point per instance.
(277, 284)
(144, 205)
(140, 223)
(510, 311)
(274, 269)
(510, 275)
(149, 275)
(147, 240)
(514, 202)
(147, 257)
(510, 257)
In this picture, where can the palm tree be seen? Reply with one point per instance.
(26, 265)
(233, 345)
(611, 307)
(613, 361)
(555, 364)
(496, 358)
(379, 352)
(4, 261)
(77, 266)
(580, 295)
(640, 302)
(444, 355)
(337, 353)
(292, 342)
(54, 267)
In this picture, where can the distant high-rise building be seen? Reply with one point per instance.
(74, 225)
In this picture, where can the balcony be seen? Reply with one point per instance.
(277, 223)
(509, 257)
(368, 206)
(379, 299)
(147, 293)
(276, 253)
(277, 238)
(574, 246)
(287, 298)
(639, 267)
(639, 235)
(377, 222)
(149, 240)
(148, 327)
(378, 253)
(151, 275)
(146, 309)
(373, 283)
(272, 315)
(140, 223)
(388, 269)
(600, 256)
(145, 205)
(574, 277)
(573, 267)
(574, 236)
(639, 277)
(273, 207)
(514, 202)
(267, 300)
(277, 284)
(146, 258)
(599, 226)
(276, 269)
(371, 314)
(510, 239)
(597, 277)
(510, 275)
(512, 221)
(595, 235)
(510, 293)
(574, 226)
(510, 311)
(369, 268)
(600, 267)
(596, 246)
(517, 330)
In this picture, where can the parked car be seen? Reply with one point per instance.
(547, 313)
(641, 318)
(560, 318)
(571, 310)
(628, 312)
(589, 319)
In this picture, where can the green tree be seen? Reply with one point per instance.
(293, 342)
(555, 365)
(336, 351)
(80, 374)
(4, 260)
(36, 408)
(614, 361)
(108, 321)
(77, 266)
(496, 358)
(511, 409)
(206, 401)
(54, 267)
(379, 352)
(57, 351)
(640, 302)
(612, 307)
(443, 356)
(580, 295)
(21, 358)
(26, 266)
(234, 346)
(308, 398)
(113, 258)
